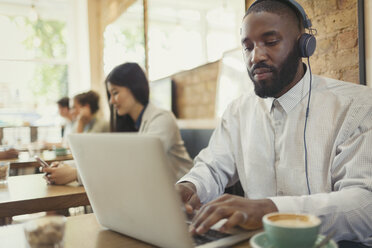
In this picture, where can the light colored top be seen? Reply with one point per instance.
(96, 125)
(260, 142)
(68, 128)
(162, 123)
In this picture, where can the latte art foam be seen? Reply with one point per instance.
(294, 223)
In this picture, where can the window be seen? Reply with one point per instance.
(34, 62)
(187, 34)
(124, 39)
(181, 34)
(44, 55)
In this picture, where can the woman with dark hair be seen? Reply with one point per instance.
(85, 108)
(131, 82)
(131, 111)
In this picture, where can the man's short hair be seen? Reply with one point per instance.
(64, 102)
(277, 7)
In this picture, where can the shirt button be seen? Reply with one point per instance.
(280, 193)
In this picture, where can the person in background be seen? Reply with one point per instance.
(260, 140)
(131, 111)
(85, 107)
(65, 112)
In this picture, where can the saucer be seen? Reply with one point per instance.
(260, 240)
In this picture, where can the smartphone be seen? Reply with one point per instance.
(41, 162)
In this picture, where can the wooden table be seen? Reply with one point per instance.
(31, 194)
(24, 160)
(82, 231)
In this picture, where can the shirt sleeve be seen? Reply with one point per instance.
(348, 208)
(100, 126)
(214, 167)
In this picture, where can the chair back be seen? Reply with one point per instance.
(195, 140)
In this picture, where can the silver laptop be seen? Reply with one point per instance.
(130, 186)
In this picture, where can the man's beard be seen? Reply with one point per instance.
(281, 77)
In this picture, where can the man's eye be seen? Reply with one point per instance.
(248, 48)
(272, 42)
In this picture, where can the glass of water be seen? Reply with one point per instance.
(4, 172)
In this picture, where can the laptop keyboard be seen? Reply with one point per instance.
(209, 236)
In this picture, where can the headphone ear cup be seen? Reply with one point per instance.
(307, 45)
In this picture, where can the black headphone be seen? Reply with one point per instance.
(307, 42)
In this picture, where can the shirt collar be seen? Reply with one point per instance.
(291, 98)
(137, 124)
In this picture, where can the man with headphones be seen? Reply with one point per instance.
(289, 153)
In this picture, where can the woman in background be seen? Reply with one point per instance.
(131, 111)
(85, 108)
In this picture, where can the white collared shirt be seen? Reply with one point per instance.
(260, 142)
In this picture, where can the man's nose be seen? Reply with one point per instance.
(258, 55)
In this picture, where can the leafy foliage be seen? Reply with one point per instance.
(46, 40)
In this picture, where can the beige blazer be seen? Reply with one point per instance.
(162, 123)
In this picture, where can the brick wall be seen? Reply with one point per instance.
(336, 21)
(336, 56)
(196, 92)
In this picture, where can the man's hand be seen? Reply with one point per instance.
(85, 114)
(83, 118)
(237, 210)
(188, 195)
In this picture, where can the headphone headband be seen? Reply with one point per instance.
(307, 42)
(295, 5)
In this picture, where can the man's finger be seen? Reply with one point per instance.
(189, 209)
(237, 218)
(210, 217)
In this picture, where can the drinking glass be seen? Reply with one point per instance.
(4, 172)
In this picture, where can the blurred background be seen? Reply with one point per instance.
(190, 50)
(47, 50)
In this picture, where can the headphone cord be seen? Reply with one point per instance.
(306, 117)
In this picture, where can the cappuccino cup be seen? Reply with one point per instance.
(291, 230)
